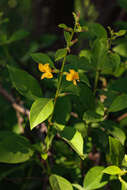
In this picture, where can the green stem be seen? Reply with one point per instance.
(96, 81)
(60, 79)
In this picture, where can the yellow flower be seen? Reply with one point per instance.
(47, 71)
(72, 76)
(47, 75)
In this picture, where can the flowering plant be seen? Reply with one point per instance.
(79, 119)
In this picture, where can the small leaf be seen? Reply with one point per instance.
(119, 103)
(92, 117)
(25, 83)
(113, 170)
(14, 148)
(74, 139)
(42, 58)
(116, 151)
(115, 130)
(41, 109)
(67, 37)
(18, 35)
(59, 183)
(121, 48)
(93, 179)
(120, 33)
(64, 26)
(60, 53)
(77, 186)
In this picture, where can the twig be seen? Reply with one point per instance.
(16, 106)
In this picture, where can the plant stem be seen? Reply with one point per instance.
(60, 78)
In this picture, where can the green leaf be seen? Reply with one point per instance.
(14, 148)
(86, 53)
(77, 186)
(42, 58)
(99, 53)
(124, 185)
(119, 103)
(62, 110)
(112, 65)
(59, 183)
(121, 48)
(115, 130)
(116, 151)
(113, 170)
(25, 83)
(64, 26)
(92, 117)
(120, 33)
(93, 178)
(95, 30)
(60, 53)
(86, 96)
(119, 85)
(67, 37)
(83, 78)
(74, 139)
(41, 109)
(18, 35)
(82, 128)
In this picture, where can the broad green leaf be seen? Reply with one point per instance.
(59, 183)
(86, 53)
(93, 178)
(74, 139)
(112, 65)
(121, 49)
(82, 128)
(119, 103)
(76, 63)
(14, 148)
(123, 185)
(77, 186)
(115, 130)
(42, 58)
(116, 151)
(99, 108)
(60, 53)
(41, 109)
(72, 61)
(25, 83)
(99, 137)
(95, 30)
(86, 96)
(86, 64)
(83, 78)
(18, 35)
(113, 170)
(99, 53)
(119, 85)
(62, 110)
(92, 117)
